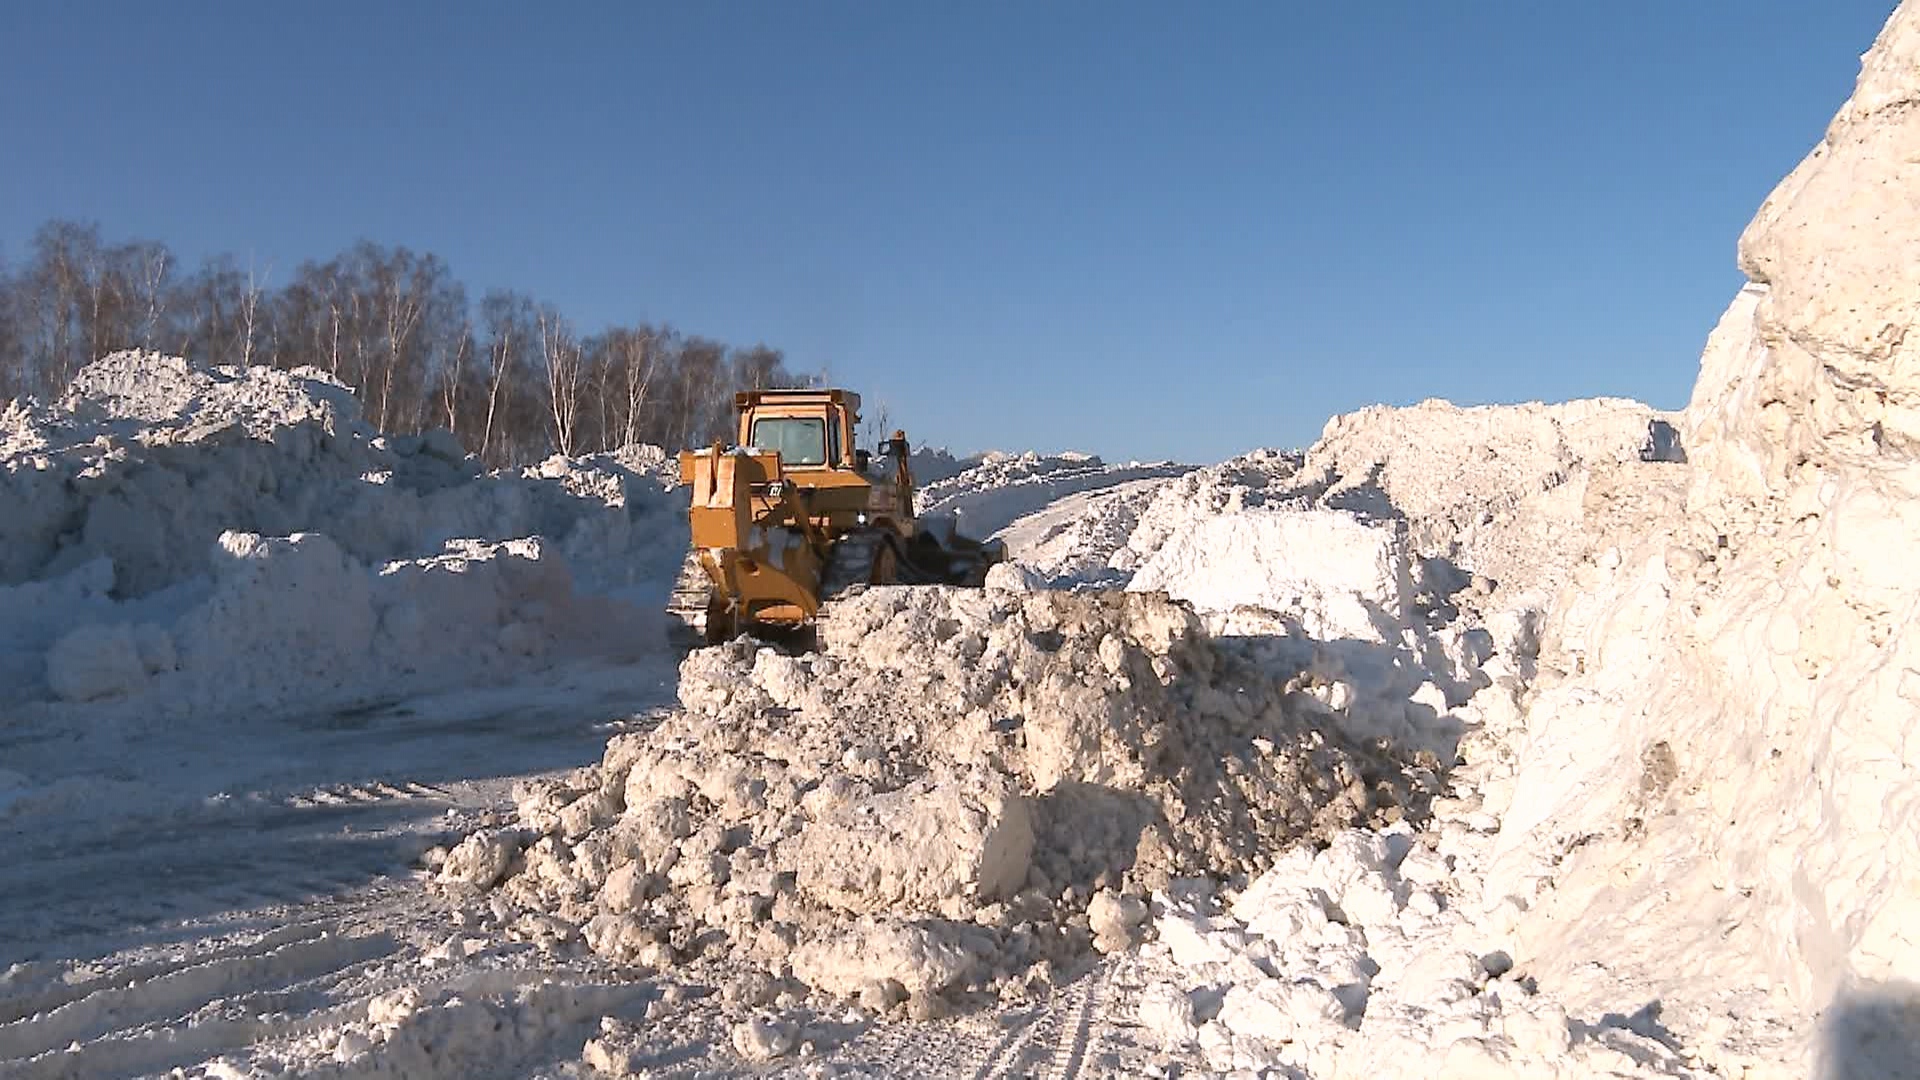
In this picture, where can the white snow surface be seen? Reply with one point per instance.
(1001, 487)
(1661, 665)
(1730, 681)
(1340, 575)
(207, 543)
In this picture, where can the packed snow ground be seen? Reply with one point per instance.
(1512, 741)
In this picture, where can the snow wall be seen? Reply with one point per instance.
(1732, 687)
(181, 542)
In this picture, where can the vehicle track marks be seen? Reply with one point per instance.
(1020, 1031)
(1077, 1016)
(176, 994)
(368, 794)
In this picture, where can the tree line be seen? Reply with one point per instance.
(512, 377)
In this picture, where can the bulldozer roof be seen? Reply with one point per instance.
(746, 399)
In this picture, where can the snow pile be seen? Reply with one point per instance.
(1386, 644)
(1391, 506)
(1340, 575)
(1352, 962)
(1496, 492)
(1495, 489)
(185, 541)
(962, 789)
(1717, 789)
(1100, 538)
(932, 464)
(295, 619)
(1001, 488)
(1242, 545)
(1383, 954)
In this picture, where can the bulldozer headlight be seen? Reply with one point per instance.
(860, 518)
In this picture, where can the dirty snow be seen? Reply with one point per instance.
(921, 812)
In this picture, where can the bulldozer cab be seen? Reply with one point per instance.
(809, 429)
(812, 432)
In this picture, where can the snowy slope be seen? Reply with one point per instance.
(1739, 840)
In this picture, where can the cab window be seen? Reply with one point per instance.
(799, 440)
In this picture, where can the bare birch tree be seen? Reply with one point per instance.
(249, 314)
(638, 357)
(154, 263)
(561, 351)
(453, 378)
(13, 373)
(505, 317)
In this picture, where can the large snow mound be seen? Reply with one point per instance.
(961, 789)
(182, 541)
(1721, 804)
(1498, 492)
(1468, 479)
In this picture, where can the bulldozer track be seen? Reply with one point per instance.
(999, 1058)
(1076, 1036)
(1055, 1046)
(689, 600)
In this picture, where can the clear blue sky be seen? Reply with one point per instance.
(1139, 229)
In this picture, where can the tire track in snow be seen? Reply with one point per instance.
(257, 890)
(228, 998)
(184, 867)
(1070, 1051)
(63, 991)
(172, 996)
(1020, 1029)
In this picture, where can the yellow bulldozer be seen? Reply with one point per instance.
(794, 515)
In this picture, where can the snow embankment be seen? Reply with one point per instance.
(1731, 687)
(189, 542)
(1497, 493)
(1001, 488)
